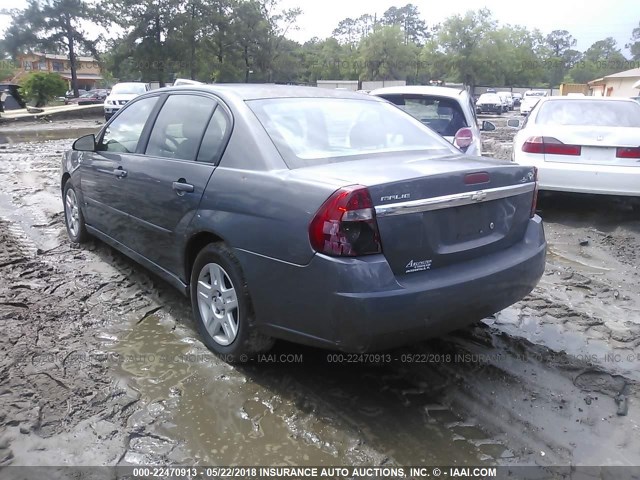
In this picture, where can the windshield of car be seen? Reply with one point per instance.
(125, 88)
(489, 98)
(314, 131)
(442, 114)
(590, 112)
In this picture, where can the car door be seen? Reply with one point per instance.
(102, 173)
(164, 187)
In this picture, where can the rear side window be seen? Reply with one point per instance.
(180, 126)
(123, 133)
(604, 113)
(214, 137)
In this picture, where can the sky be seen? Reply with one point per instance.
(588, 23)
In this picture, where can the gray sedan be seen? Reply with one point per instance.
(322, 217)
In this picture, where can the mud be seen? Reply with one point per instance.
(101, 364)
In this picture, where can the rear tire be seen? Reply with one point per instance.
(222, 306)
(73, 217)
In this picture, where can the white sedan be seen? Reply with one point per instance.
(582, 144)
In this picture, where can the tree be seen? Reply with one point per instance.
(634, 43)
(149, 35)
(408, 19)
(41, 87)
(346, 32)
(277, 23)
(384, 55)
(54, 26)
(560, 55)
(600, 59)
(464, 41)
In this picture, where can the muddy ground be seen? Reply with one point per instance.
(101, 364)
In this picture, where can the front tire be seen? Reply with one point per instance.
(73, 217)
(222, 306)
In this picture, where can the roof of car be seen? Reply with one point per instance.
(250, 91)
(420, 90)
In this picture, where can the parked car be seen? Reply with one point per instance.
(71, 94)
(185, 81)
(448, 111)
(507, 100)
(530, 99)
(325, 217)
(88, 98)
(120, 94)
(517, 99)
(582, 144)
(490, 103)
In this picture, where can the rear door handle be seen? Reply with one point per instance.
(119, 172)
(181, 187)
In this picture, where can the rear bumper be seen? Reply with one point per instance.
(358, 304)
(584, 178)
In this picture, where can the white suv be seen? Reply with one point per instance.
(120, 94)
(448, 111)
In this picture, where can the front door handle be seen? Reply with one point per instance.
(119, 172)
(181, 187)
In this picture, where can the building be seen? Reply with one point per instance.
(87, 68)
(616, 85)
(339, 84)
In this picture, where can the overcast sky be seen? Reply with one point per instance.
(587, 22)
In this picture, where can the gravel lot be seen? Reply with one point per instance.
(101, 364)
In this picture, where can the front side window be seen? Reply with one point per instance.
(179, 127)
(315, 131)
(123, 133)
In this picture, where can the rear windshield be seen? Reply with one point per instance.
(442, 114)
(315, 131)
(590, 112)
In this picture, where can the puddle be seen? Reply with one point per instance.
(571, 260)
(303, 413)
(18, 136)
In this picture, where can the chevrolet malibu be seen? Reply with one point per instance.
(323, 217)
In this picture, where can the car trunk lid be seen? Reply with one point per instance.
(599, 145)
(435, 212)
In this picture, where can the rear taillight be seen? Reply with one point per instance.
(346, 225)
(549, 146)
(628, 152)
(534, 201)
(463, 138)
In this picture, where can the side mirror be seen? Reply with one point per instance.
(513, 123)
(85, 144)
(487, 126)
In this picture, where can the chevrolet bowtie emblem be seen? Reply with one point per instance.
(479, 196)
